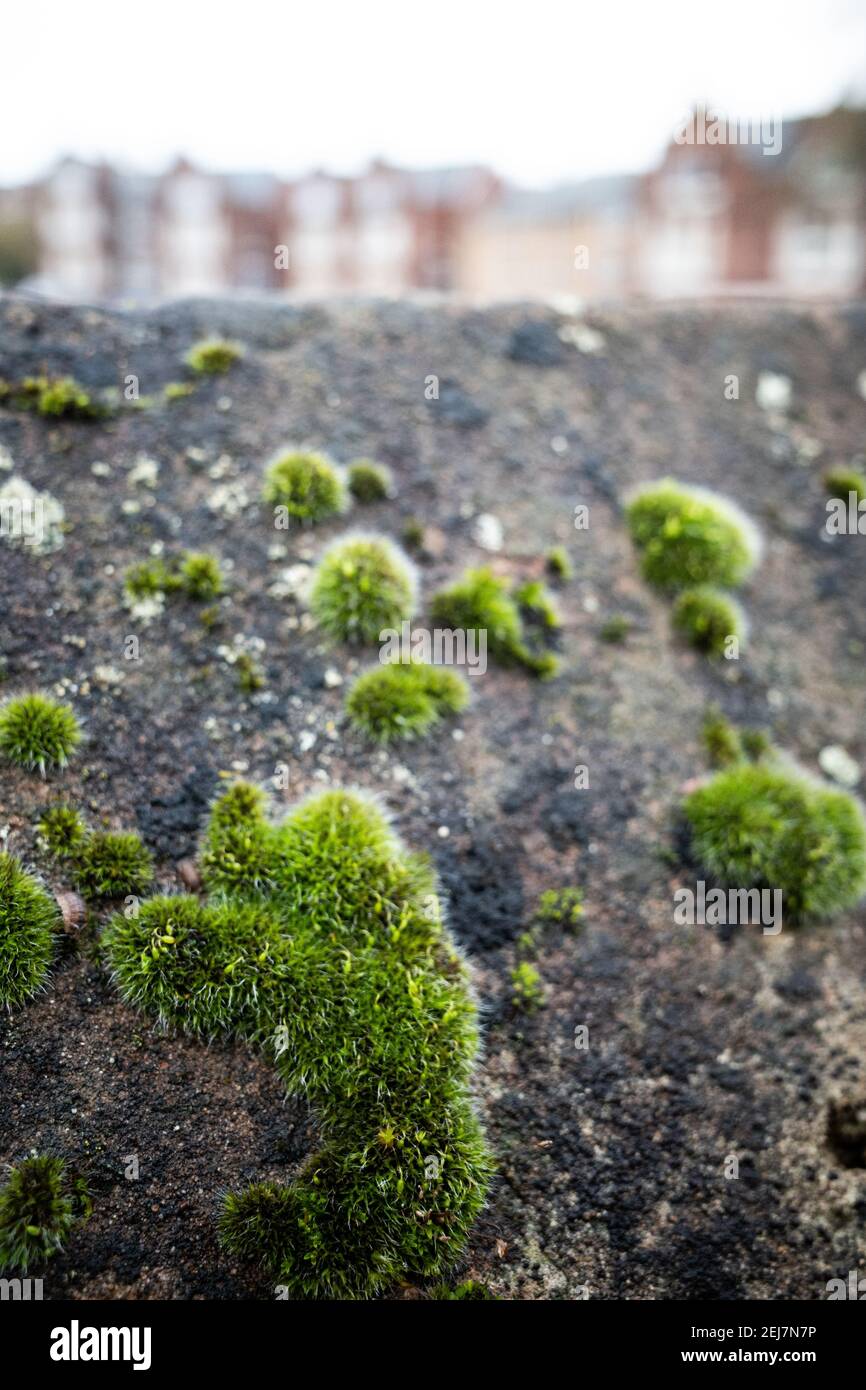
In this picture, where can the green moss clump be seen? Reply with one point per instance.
(250, 675)
(39, 1206)
(760, 825)
(177, 390)
(404, 699)
(707, 618)
(688, 536)
(309, 486)
(413, 533)
(839, 482)
(63, 831)
(559, 564)
(361, 586)
(482, 602)
(615, 629)
(196, 573)
(113, 864)
(560, 907)
(527, 990)
(323, 941)
(470, 1290)
(369, 481)
(537, 604)
(721, 740)
(37, 732)
(200, 576)
(212, 356)
(28, 920)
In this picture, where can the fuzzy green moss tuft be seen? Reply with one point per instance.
(178, 390)
(559, 563)
(470, 1290)
(839, 482)
(361, 586)
(322, 939)
(212, 356)
(38, 732)
(112, 864)
(195, 573)
(615, 629)
(28, 920)
(560, 907)
(57, 397)
(482, 602)
(63, 831)
(404, 699)
(39, 1206)
(707, 618)
(721, 740)
(527, 990)
(200, 576)
(309, 486)
(689, 536)
(762, 825)
(369, 481)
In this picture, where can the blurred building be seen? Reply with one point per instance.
(717, 216)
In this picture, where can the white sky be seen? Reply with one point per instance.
(541, 90)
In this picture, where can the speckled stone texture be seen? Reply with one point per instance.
(701, 1045)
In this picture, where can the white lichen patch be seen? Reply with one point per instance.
(292, 582)
(773, 392)
(144, 472)
(487, 532)
(231, 499)
(30, 518)
(583, 337)
(147, 608)
(837, 763)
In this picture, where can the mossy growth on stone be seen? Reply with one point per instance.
(29, 918)
(482, 602)
(558, 563)
(537, 604)
(725, 745)
(178, 390)
(213, 356)
(195, 573)
(841, 482)
(62, 831)
(471, 1290)
(38, 732)
(404, 699)
(112, 864)
(308, 486)
(708, 619)
(363, 585)
(688, 536)
(57, 397)
(40, 1204)
(560, 907)
(615, 629)
(770, 825)
(102, 863)
(369, 481)
(527, 990)
(323, 941)
(412, 534)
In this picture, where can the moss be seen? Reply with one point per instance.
(559, 563)
(200, 576)
(404, 699)
(250, 675)
(37, 732)
(537, 604)
(322, 940)
(708, 618)
(195, 573)
(560, 907)
(482, 602)
(212, 356)
(413, 533)
(28, 919)
(760, 825)
(63, 831)
(720, 739)
(309, 486)
(756, 744)
(527, 991)
(39, 1206)
(178, 390)
(58, 397)
(369, 481)
(689, 536)
(839, 482)
(470, 1289)
(113, 864)
(615, 629)
(362, 585)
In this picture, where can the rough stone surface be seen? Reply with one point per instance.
(612, 1161)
